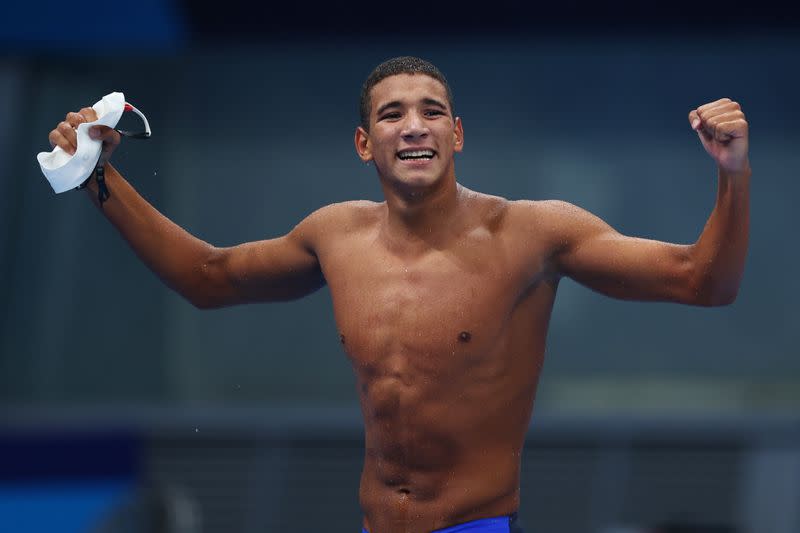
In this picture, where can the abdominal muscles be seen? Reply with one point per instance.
(442, 422)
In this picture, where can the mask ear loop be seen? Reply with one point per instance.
(136, 134)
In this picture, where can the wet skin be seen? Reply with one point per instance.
(447, 344)
(442, 295)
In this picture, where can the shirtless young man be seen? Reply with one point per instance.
(442, 295)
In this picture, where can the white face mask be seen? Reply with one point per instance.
(64, 171)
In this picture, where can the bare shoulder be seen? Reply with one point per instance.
(541, 216)
(553, 216)
(552, 225)
(351, 213)
(544, 211)
(338, 219)
(544, 217)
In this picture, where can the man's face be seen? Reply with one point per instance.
(413, 135)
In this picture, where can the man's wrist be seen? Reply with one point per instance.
(85, 183)
(99, 177)
(736, 174)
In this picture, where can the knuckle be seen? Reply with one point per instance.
(64, 127)
(87, 114)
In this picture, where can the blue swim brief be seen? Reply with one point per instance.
(500, 524)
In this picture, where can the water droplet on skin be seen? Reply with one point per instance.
(155, 172)
(196, 430)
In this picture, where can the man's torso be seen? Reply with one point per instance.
(446, 342)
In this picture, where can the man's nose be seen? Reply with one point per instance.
(414, 127)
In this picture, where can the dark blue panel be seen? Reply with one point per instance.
(56, 455)
(83, 25)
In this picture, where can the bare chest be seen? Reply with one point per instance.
(438, 312)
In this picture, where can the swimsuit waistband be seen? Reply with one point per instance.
(499, 524)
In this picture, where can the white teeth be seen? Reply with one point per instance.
(415, 154)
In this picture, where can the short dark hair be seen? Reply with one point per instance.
(393, 67)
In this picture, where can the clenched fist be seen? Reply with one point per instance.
(722, 129)
(65, 136)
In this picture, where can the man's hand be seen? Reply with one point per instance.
(722, 129)
(65, 136)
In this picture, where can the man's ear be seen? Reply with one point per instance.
(458, 132)
(363, 145)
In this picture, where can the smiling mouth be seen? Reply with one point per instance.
(415, 155)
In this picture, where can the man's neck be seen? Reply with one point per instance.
(423, 218)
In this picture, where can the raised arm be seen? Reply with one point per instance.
(277, 269)
(707, 272)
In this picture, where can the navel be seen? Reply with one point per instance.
(464, 336)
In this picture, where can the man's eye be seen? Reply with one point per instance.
(434, 112)
(390, 116)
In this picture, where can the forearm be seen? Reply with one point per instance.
(178, 258)
(719, 254)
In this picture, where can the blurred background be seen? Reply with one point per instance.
(124, 408)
